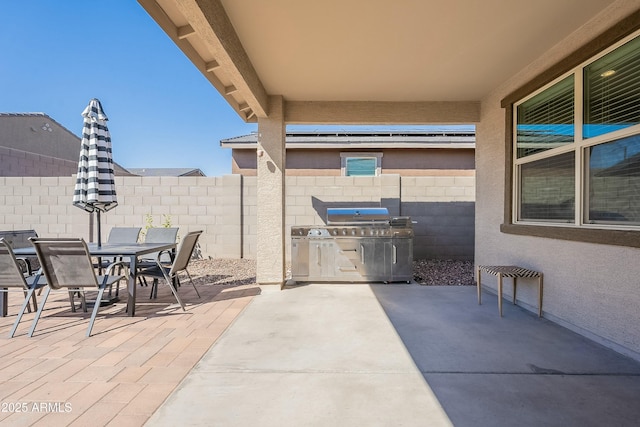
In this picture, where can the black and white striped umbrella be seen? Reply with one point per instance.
(95, 189)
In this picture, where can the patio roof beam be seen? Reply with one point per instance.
(211, 66)
(185, 31)
(372, 112)
(211, 23)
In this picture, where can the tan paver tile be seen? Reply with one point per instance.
(165, 375)
(130, 374)
(54, 392)
(111, 358)
(123, 393)
(20, 393)
(89, 396)
(15, 369)
(148, 400)
(96, 373)
(22, 419)
(114, 340)
(88, 352)
(122, 420)
(39, 369)
(12, 387)
(66, 371)
(99, 414)
(161, 358)
(178, 344)
(58, 352)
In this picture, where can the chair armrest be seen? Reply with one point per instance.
(168, 252)
(122, 264)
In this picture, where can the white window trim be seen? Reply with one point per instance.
(346, 155)
(578, 146)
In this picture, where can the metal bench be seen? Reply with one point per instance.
(514, 272)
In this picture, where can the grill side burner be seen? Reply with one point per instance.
(357, 245)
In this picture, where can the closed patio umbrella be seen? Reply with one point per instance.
(95, 189)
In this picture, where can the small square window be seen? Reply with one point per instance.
(361, 164)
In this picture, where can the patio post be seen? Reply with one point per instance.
(271, 197)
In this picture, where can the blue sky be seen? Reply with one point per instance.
(57, 55)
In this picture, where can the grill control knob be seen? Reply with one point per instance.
(353, 231)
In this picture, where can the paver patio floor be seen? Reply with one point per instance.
(122, 373)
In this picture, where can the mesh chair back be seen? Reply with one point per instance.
(124, 235)
(10, 273)
(66, 263)
(161, 235)
(183, 256)
(18, 238)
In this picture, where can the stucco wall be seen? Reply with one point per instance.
(590, 288)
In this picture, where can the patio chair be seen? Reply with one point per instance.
(157, 235)
(66, 264)
(14, 277)
(170, 272)
(20, 239)
(119, 235)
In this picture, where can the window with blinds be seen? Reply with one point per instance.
(546, 120)
(547, 189)
(612, 91)
(601, 98)
(614, 182)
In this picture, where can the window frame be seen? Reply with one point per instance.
(624, 30)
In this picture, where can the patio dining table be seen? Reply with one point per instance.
(131, 251)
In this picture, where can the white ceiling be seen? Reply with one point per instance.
(400, 50)
(409, 51)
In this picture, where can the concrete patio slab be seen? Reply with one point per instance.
(381, 355)
(316, 355)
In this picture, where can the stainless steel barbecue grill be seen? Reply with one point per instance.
(356, 245)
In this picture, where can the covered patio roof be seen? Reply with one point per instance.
(365, 61)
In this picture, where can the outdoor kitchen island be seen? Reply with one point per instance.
(356, 245)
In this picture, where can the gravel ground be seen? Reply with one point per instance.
(228, 272)
(443, 272)
(236, 272)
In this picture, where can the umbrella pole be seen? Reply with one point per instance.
(99, 229)
(91, 227)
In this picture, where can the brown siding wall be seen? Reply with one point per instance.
(409, 162)
(20, 163)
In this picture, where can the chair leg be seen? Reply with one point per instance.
(154, 289)
(22, 309)
(35, 302)
(175, 292)
(73, 303)
(28, 305)
(39, 312)
(192, 284)
(96, 306)
(83, 300)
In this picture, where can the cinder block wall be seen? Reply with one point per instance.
(443, 208)
(225, 208)
(211, 204)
